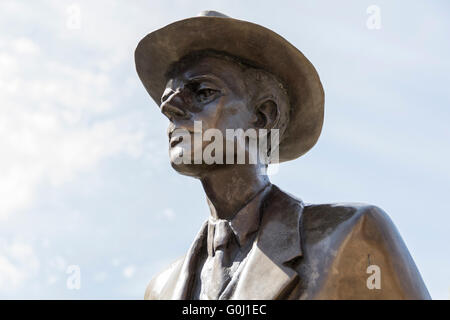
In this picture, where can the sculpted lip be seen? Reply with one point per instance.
(177, 138)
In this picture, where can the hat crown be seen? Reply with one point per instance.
(212, 13)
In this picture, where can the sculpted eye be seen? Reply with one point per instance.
(167, 93)
(203, 95)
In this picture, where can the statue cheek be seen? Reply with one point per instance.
(233, 110)
(236, 109)
(241, 117)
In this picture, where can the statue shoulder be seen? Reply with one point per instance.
(329, 216)
(341, 221)
(164, 281)
(357, 237)
(323, 217)
(320, 220)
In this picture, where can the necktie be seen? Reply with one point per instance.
(220, 263)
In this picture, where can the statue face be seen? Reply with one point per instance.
(212, 91)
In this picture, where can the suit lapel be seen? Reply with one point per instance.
(265, 274)
(187, 273)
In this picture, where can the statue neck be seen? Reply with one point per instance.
(229, 188)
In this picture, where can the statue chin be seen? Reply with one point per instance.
(194, 170)
(188, 168)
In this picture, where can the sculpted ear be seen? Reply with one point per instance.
(267, 114)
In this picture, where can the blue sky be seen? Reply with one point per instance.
(84, 172)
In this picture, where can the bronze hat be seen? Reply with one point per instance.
(157, 51)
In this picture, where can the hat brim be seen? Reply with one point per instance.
(157, 51)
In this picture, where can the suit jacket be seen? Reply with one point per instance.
(305, 251)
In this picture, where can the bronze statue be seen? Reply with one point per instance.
(261, 242)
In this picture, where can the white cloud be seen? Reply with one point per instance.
(52, 279)
(18, 263)
(128, 272)
(54, 123)
(100, 276)
(169, 214)
(58, 263)
(115, 262)
(25, 46)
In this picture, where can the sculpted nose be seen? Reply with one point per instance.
(174, 106)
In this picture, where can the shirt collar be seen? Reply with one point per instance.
(245, 222)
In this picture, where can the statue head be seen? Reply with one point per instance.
(225, 94)
(229, 74)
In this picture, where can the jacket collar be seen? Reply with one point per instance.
(278, 242)
(186, 276)
(245, 222)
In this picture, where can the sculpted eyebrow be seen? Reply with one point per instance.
(200, 78)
